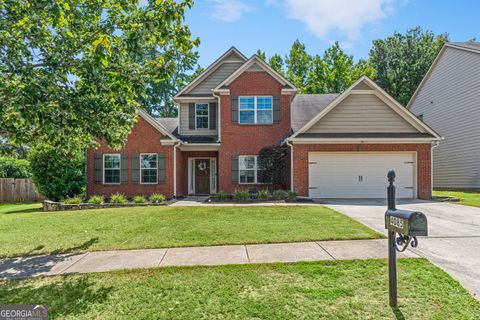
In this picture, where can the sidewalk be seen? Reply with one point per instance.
(99, 261)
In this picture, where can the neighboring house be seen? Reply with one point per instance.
(341, 145)
(448, 100)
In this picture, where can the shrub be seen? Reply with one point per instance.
(73, 200)
(157, 198)
(263, 194)
(279, 194)
(139, 199)
(118, 198)
(14, 168)
(220, 196)
(96, 199)
(292, 196)
(57, 175)
(241, 196)
(272, 161)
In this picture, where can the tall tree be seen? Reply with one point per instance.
(261, 55)
(402, 60)
(276, 62)
(75, 71)
(298, 64)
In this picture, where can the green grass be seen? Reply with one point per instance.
(314, 290)
(155, 227)
(466, 198)
(6, 208)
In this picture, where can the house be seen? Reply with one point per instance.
(448, 100)
(340, 145)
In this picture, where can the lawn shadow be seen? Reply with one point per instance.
(68, 296)
(17, 210)
(398, 313)
(80, 247)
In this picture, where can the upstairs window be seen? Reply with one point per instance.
(148, 168)
(255, 110)
(201, 116)
(111, 168)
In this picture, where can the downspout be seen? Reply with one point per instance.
(434, 145)
(178, 143)
(291, 163)
(218, 117)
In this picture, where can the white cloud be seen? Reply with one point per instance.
(341, 17)
(229, 10)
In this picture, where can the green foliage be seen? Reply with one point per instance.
(220, 196)
(157, 198)
(96, 199)
(139, 199)
(64, 63)
(272, 161)
(241, 196)
(280, 194)
(55, 174)
(298, 64)
(263, 194)
(118, 198)
(276, 62)
(9, 150)
(291, 195)
(261, 55)
(14, 168)
(73, 200)
(402, 60)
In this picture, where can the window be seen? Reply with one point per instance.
(111, 168)
(201, 116)
(248, 169)
(148, 168)
(255, 110)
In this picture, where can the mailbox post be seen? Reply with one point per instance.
(408, 224)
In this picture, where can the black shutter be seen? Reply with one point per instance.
(124, 168)
(135, 168)
(161, 167)
(235, 169)
(276, 109)
(212, 115)
(98, 168)
(234, 109)
(191, 116)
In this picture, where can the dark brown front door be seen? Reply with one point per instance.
(202, 176)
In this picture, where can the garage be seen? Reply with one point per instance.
(360, 175)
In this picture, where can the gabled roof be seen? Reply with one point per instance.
(210, 69)
(467, 46)
(306, 106)
(381, 94)
(263, 65)
(156, 124)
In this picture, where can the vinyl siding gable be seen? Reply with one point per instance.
(215, 78)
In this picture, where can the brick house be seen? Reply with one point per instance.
(340, 145)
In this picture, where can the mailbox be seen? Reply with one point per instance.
(406, 222)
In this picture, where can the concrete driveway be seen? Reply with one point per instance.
(453, 243)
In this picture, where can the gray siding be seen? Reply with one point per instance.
(184, 130)
(255, 67)
(362, 86)
(215, 78)
(360, 113)
(450, 103)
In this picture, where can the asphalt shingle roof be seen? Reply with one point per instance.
(307, 106)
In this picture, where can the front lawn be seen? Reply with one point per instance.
(28, 233)
(315, 290)
(466, 198)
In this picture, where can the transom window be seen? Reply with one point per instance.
(111, 168)
(201, 116)
(255, 109)
(248, 169)
(148, 168)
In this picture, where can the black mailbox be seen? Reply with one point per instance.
(406, 222)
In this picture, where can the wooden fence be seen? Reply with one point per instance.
(18, 190)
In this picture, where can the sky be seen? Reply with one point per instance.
(273, 25)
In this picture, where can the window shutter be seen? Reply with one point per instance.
(235, 169)
(234, 109)
(191, 116)
(124, 168)
(161, 167)
(212, 114)
(135, 168)
(98, 168)
(276, 109)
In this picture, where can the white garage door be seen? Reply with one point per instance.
(360, 175)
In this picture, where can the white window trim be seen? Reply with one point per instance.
(255, 109)
(140, 167)
(255, 169)
(119, 169)
(208, 116)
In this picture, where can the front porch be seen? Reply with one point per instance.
(197, 172)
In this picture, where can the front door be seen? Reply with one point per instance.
(202, 176)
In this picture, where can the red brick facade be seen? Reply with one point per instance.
(424, 179)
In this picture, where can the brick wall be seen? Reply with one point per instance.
(300, 159)
(241, 139)
(143, 139)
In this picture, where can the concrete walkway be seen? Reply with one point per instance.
(25, 267)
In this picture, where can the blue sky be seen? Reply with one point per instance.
(272, 25)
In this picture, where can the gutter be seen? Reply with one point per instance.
(175, 146)
(288, 143)
(434, 145)
(219, 116)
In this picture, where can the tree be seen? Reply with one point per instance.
(298, 64)
(276, 62)
(402, 60)
(272, 161)
(261, 55)
(75, 71)
(11, 167)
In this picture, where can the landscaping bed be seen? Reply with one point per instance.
(265, 196)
